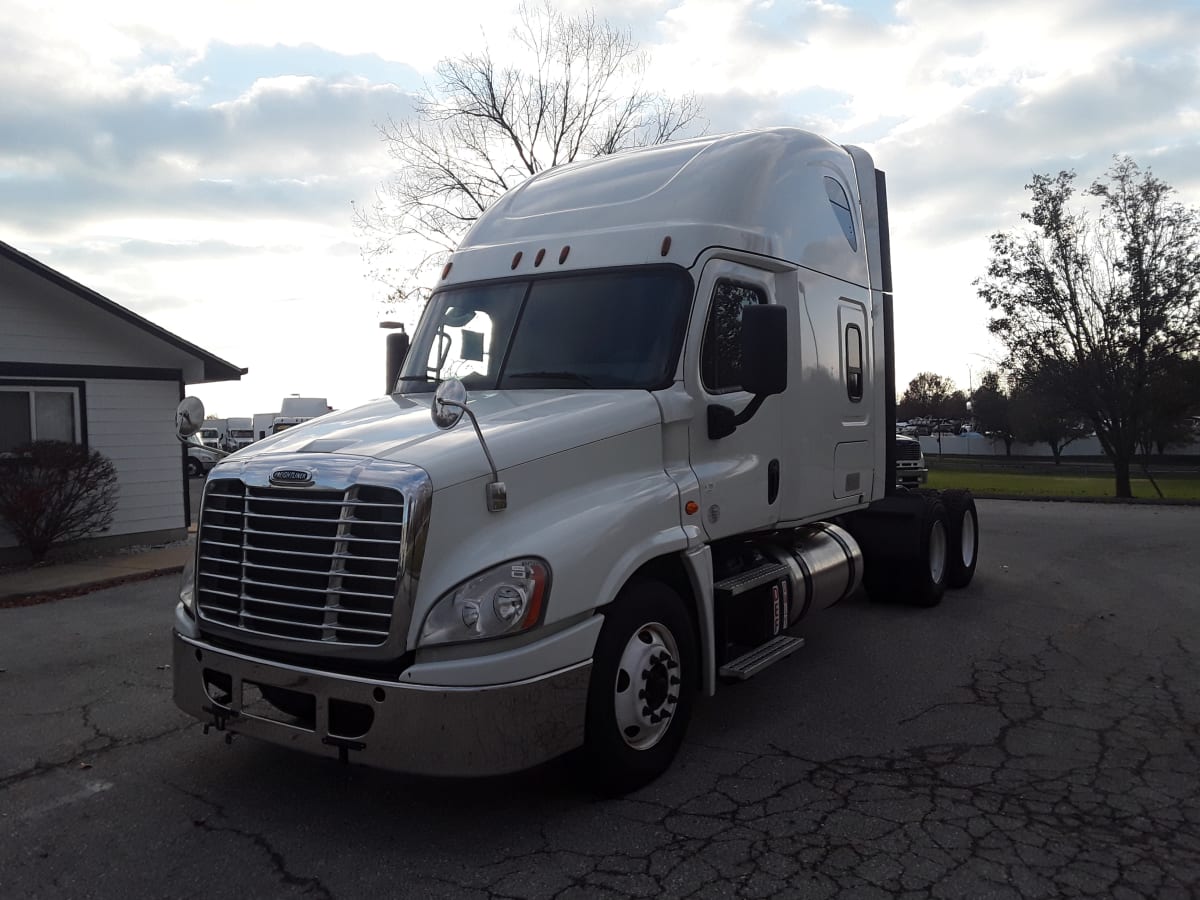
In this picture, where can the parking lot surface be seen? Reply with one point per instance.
(1037, 735)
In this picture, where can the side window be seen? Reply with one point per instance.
(854, 363)
(30, 413)
(841, 210)
(721, 352)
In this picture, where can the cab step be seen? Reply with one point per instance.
(754, 661)
(748, 581)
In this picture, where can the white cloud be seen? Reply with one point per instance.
(198, 162)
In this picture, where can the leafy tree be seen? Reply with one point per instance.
(484, 127)
(993, 410)
(55, 491)
(1100, 302)
(928, 396)
(1173, 393)
(1040, 414)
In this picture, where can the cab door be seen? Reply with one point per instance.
(739, 474)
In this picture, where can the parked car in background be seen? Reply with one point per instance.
(911, 470)
(200, 458)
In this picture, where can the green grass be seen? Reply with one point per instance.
(1026, 484)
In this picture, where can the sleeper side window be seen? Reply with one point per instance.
(841, 210)
(854, 363)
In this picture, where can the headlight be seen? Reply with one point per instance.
(187, 584)
(505, 600)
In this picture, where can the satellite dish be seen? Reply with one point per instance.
(189, 416)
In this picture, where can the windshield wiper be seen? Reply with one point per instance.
(428, 379)
(573, 376)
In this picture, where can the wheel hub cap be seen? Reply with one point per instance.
(646, 691)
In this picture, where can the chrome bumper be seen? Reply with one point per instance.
(426, 730)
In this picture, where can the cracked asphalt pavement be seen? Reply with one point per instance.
(1038, 735)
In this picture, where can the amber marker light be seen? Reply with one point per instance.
(446, 270)
(691, 507)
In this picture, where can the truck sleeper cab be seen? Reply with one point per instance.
(675, 364)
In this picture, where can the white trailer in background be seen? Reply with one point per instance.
(296, 409)
(261, 425)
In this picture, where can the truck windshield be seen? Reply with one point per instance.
(618, 329)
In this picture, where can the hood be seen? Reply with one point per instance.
(519, 426)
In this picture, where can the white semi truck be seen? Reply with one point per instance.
(644, 428)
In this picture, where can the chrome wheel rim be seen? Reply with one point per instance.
(646, 689)
(968, 538)
(937, 551)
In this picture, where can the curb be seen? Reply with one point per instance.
(11, 601)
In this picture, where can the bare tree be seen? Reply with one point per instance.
(484, 127)
(55, 491)
(1100, 304)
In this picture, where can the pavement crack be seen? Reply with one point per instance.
(311, 885)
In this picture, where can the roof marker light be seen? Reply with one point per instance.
(666, 246)
(516, 260)
(562, 254)
(446, 270)
(537, 260)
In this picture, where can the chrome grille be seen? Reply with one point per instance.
(301, 563)
(908, 450)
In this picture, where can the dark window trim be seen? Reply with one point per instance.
(79, 386)
(758, 289)
(116, 373)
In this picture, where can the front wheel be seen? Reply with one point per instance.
(643, 685)
(194, 468)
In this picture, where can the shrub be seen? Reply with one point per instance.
(55, 491)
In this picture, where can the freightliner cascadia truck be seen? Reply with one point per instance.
(645, 426)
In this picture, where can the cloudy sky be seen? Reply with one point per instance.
(198, 163)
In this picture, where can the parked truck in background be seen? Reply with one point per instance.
(215, 433)
(240, 434)
(295, 410)
(675, 368)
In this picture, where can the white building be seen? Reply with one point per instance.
(76, 366)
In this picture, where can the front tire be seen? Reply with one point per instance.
(642, 689)
(194, 468)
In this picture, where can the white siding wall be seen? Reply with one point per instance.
(132, 423)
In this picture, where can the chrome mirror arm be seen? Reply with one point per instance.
(497, 492)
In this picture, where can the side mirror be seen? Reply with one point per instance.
(397, 350)
(189, 416)
(764, 366)
(764, 349)
(449, 403)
